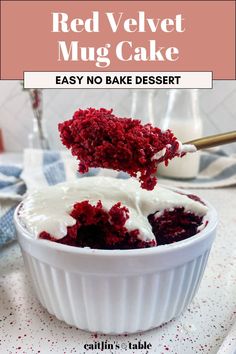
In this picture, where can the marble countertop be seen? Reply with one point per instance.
(26, 327)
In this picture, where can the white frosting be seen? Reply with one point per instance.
(184, 148)
(48, 209)
(159, 154)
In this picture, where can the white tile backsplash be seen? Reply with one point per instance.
(218, 109)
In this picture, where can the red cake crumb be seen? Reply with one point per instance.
(100, 139)
(99, 229)
(174, 225)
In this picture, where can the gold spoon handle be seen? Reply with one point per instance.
(214, 140)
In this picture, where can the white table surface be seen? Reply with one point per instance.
(26, 327)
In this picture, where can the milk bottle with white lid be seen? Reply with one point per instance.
(183, 118)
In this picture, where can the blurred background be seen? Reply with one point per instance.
(217, 108)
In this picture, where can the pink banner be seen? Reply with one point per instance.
(117, 36)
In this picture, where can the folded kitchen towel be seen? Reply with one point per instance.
(43, 168)
(217, 169)
(12, 189)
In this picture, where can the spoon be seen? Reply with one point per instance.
(213, 140)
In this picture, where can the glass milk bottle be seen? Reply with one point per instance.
(142, 105)
(183, 118)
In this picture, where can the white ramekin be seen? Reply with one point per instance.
(117, 291)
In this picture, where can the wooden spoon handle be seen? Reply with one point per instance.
(213, 140)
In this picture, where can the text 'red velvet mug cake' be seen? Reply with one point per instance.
(115, 255)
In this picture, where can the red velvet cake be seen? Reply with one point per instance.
(100, 139)
(98, 229)
(109, 213)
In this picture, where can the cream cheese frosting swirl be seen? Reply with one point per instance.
(49, 208)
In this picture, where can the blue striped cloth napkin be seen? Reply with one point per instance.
(12, 189)
(43, 168)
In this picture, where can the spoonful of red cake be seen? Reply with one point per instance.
(100, 139)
